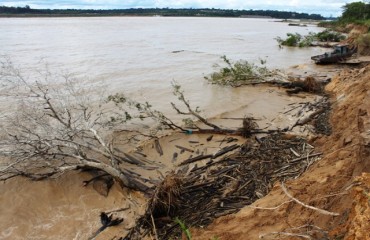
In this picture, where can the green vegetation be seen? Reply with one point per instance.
(297, 40)
(203, 12)
(240, 73)
(353, 13)
(184, 228)
(356, 12)
(329, 36)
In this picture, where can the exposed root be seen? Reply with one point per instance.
(305, 205)
(306, 232)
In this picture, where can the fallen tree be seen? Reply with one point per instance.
(56, 125)
(244, 73)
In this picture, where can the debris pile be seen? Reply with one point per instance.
(197, 195)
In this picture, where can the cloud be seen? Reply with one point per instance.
(327, 7)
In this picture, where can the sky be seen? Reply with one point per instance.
(326, 8)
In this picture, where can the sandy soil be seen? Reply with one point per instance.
(338, 183)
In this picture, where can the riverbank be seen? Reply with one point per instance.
(338, 183)
(326, 184)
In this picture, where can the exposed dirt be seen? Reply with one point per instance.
(338, 183)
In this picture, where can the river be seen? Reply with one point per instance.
(139, 56)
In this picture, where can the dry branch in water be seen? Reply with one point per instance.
(57, 125)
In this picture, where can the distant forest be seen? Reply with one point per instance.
(185, 12)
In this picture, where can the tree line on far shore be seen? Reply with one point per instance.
(188, 12)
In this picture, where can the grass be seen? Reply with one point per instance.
(184, 228)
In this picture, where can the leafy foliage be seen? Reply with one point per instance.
(297, 40)
(355, 11)
(328, 35)
(292, 39)
(240, 73)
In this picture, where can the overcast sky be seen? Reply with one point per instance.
(323, 7)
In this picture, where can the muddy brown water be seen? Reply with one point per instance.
(58, 209)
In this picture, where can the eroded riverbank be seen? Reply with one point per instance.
(339, 182)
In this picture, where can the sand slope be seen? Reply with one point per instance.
(333, 183)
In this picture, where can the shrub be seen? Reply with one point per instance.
(292, 40)
(328, 35)
(240, 73)
(297, 40)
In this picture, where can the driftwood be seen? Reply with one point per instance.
(217, 188)
(318, 115)
(225, 150)
(158, 147)
(195, 159)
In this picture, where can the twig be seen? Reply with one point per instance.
(306, 236)
(154, 228)
(270, 208)
(305, 205)
(117, 210)
(305, 157)
(286, 234)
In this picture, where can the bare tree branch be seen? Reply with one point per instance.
(56, 125)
